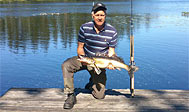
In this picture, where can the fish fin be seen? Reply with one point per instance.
(119, 69)
(97, 70)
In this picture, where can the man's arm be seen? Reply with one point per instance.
(80, 50)
(111, 51)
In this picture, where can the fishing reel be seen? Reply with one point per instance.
(132, 63)
(133, 69)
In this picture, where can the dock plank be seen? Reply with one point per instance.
(52, 100)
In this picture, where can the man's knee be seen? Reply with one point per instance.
(65, 64)
(71, 65)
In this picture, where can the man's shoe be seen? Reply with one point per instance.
(98, 94)
(70, 101)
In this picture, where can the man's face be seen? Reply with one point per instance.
(99, 17)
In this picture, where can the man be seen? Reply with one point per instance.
(95, 37)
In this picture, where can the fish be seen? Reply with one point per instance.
(98, 62)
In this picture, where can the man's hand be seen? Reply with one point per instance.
(111, 52)
(83, 63)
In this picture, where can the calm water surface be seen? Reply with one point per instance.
(35, 38)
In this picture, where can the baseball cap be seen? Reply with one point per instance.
(99, 6)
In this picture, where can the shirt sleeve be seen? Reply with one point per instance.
(81, 35)
(113, 41)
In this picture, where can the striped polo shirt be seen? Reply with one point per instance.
(97, 43)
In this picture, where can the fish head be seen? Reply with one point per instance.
(85, 59)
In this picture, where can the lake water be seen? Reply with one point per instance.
(36, 37)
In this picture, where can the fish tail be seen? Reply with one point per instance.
(126, 67)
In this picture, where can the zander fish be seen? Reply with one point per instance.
(103, 62)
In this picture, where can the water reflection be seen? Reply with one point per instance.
(36, 32)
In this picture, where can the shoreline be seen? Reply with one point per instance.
(11, 1)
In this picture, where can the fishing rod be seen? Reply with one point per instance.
(132, 63)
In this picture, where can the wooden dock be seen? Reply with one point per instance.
(52, 100)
